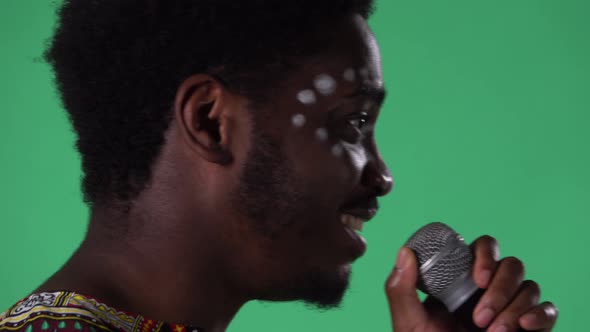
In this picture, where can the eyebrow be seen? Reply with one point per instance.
(377, 94)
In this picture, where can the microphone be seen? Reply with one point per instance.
(445, 264)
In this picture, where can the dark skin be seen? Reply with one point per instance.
(205, 237)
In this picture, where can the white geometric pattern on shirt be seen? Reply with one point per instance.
(45, 299)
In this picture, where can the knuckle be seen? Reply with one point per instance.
(500, 300)
(489, 240)
(497, 300)
(509, 314)
(488, 245)
(532, 286)
(514, 264)
(508, 319)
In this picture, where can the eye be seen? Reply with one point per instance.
(355, 127)
(359, 121)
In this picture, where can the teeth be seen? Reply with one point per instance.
(352, 222)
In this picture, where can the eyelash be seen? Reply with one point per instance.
(355, 127)
(363, 119)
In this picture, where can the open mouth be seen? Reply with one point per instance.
(353, 225)
(352, 222)
(353, 217)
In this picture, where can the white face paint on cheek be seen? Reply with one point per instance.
(298, 120)
(306, 97)
(358, 155)
(349, 75)
(325, 84)
(321, 134)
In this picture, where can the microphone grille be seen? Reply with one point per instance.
(443, 257)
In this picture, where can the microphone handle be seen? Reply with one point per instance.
(464, 313)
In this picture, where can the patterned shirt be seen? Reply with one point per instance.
(72, 312)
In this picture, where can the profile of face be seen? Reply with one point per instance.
(312, 173)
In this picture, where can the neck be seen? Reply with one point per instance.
(141, 272)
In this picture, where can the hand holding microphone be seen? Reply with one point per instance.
(469, 289)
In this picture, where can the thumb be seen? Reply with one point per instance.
(407, 312)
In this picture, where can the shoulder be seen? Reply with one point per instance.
(50, 312)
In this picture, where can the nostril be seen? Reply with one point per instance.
(379, 181)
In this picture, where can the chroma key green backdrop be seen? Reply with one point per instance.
(486, 127)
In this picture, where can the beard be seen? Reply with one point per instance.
(323, 289)
(267, 188)
(269, 198)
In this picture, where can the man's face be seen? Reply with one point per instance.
(314, 171)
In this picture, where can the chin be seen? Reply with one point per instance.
(322, 288)
(325, 289)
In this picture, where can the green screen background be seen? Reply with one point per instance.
(486, 127)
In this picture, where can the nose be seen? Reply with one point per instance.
(377, 178)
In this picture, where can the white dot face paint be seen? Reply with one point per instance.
(325, 84)
(298, 120)
(321, 134)
(349, 75)
(306, 97)
(337, 150)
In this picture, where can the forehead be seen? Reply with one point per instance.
(349, 44)
(348, 67)
(349, 64)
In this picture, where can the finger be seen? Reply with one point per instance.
(527, 298)
(542, 317)
(435, 308)
(438, 314)
(486, 253)
(406, 309)
(503, 288)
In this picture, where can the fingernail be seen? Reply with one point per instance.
(402, 259)
(501, 328)
(400, 264)
(397, 274)
(484, 317)
(484, 278)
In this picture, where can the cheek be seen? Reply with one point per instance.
(346, 162)
(355, 156)
(328, 164)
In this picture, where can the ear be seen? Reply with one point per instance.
(202, 111)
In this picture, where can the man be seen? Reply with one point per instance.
(228, 155)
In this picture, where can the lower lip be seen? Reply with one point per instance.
(360, 242)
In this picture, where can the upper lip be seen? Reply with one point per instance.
(365, 210)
